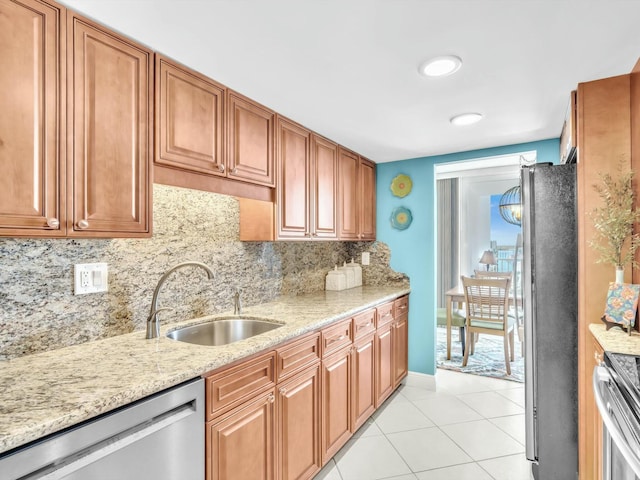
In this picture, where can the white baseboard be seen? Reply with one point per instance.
(421, 380)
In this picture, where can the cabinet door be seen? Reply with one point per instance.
(384, 363)
(250, 140)
(336, 402)
(591, 466)
(241, 444)
(299, 452)
(32, 81)
(110, 105)
(363, 393)
(367, 198)
(348, 203)
(293, 180)
(400, 349)
(324, 187)
(189, 119)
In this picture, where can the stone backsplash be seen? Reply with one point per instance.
(39, 312)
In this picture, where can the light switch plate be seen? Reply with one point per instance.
(365, 258)
(90, 278)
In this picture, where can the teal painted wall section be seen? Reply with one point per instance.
(413, 250)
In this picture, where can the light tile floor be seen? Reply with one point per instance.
(472, 427)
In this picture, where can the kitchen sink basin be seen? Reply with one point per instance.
(222, 331)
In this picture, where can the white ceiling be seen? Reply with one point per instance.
(348, 68)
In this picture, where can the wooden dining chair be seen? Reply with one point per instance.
(487, 303)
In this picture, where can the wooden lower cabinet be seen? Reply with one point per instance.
(400, 351)
(400, 339)
(592, 462)
(298, 405)
(384, 363)
(284, 413)
(363, 386)
(336, 402)
(240, 445)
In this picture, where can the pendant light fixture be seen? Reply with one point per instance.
(509, 206)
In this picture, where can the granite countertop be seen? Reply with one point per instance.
(616, 340)
(47, 392)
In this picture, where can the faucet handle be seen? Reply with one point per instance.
(153, 325)
(237, 305)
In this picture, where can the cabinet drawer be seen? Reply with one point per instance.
(384, 314)
(336, 337)
(401, 306)
(231, 387)
(364, 323)
(297, 355)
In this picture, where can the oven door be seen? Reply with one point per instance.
(621, 429)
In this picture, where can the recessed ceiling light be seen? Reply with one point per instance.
(440, 66)
(466, 119)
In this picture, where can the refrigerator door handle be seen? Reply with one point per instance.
(531, 447)
(530, 381)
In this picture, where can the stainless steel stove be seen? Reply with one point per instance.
(616, 384)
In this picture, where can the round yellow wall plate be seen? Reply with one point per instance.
(401, 185)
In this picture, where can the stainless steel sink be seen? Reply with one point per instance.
(222, 331)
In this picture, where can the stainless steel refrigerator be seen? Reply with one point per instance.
(550, 294)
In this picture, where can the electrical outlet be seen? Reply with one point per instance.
(365, 258)
(90, 278)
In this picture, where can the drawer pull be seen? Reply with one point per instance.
(598, 357)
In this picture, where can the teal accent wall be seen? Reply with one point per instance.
(413, 251)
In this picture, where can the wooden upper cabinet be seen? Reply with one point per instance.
(189, 119)
(348, 203)
(356, 197)
(250, 146)
(110, 105)
(324, 188)
(32, 81)
(367, 214)
(307, 183)
(294, 169)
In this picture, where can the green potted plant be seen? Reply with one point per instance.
(614, 220)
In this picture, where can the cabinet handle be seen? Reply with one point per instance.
(314, 234)
(235, 170)
(53, 222)
(307, 234)
(82, 224)
(598, 357)
(221, 167)
(283, 391)
(271, 398)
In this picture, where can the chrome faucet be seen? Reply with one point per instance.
(153, 324)
(237, 306)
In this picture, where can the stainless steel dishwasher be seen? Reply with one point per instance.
(156, 438)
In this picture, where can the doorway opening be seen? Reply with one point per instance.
(468, 224)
